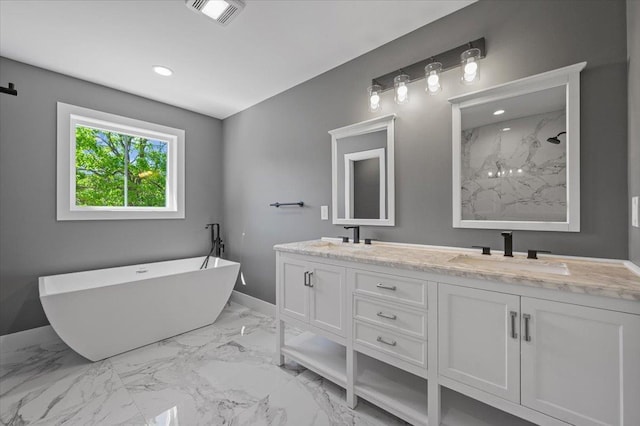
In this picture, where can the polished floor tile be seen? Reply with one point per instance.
(216, 375)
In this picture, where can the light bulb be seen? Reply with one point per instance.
(432, 73)
(498, 112)
(401, 90)
(471, 67)
(374, 97)
(433, 79)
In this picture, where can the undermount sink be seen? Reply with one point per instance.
(503, 264)
(331, 244)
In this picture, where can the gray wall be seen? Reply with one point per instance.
(633, 49)
(279, 150)
(33, 243)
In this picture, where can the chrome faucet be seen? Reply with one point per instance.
(508, 243)
(356, 233)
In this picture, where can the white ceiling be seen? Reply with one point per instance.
(218, 71)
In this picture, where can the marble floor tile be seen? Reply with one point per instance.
(219, 374)
(310, 400)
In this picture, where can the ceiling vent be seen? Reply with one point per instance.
(222, 11)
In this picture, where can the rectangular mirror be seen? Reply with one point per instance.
(362, 173)
(516, 154)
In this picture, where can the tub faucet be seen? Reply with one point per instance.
(508, 243)
(217, 245)
(356, 233)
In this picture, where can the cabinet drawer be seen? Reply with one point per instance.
(391, 343)
(400, 289)
(391, 316)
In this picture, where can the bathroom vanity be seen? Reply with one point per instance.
(555, 341)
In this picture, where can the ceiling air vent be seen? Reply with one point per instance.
(222, 11)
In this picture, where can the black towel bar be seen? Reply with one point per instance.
(277, 204)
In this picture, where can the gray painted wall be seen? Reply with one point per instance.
(279, 150)
(33, 243)
(633, 49)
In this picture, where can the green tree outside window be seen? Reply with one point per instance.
(119, 170)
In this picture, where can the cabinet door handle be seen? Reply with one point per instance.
(514, 334)
(386, 342)
(306, 274)
(310, 274)
(527, 336)
(387, 316)
(386, 287)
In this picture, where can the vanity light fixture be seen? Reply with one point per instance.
(430, 69)
(432, 74)
(498, 112)
(469, 65)
(374, 97)
(163, 71)
(400, 89)
(221, 11)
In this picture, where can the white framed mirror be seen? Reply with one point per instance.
(516, 154)
(363, 173)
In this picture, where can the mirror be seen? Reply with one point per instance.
(362, 173)
(516, 154)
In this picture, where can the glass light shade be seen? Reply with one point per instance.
(401, 89)
(432, 74)
(469, 66)
(374, 97)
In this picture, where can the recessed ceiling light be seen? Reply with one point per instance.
(498, 112)
(163, 71)
(506, 129)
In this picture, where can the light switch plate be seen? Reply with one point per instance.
(634, 211)
(324, 212)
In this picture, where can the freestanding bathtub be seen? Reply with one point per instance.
(108, 311)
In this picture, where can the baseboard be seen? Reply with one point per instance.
(22, 339)
(635, 268)
(253, 303)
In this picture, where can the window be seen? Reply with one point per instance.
(113, 167)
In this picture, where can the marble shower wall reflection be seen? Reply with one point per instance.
(515, 174)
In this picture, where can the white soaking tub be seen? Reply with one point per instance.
(105, 312)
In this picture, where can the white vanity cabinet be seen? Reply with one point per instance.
(574, 363)
(313, 293)
(446, 346)
(580, 364)
(479, 341)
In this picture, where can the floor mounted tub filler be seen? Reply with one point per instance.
(105, 312)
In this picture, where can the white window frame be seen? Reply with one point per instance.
(71, 115)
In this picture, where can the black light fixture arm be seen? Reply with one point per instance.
(10, 90)
(449, 59)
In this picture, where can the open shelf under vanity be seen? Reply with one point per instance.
(320, 355)
(397, 391)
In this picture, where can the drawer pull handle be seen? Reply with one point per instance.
(306, 273)
(386, 287)
(386, 342)
(514, 334)
(527, 336)
(310, 284)
(387, 316)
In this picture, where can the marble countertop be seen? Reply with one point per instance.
(599, 277)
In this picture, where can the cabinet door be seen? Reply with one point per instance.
(294, 295)
(479, 343)
(327, 297)
(581, 365)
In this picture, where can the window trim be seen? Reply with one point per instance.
(71, 115)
